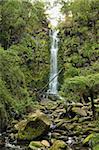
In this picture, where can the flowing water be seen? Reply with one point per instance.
(53, 80)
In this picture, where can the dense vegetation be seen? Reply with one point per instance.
(70, 119)
(79, 52)
(24, 53)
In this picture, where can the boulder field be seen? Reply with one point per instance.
(54, 125)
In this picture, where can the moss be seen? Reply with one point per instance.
(35, 144)
(33, 127)
(95, 141)
(78, 48)
(23, 63)
(31, 133)
(58, 145)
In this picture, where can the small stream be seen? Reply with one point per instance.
(8, 144)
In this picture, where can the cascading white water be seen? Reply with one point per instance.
(53, 80)
(54, 17)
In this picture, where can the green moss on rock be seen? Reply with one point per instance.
(35, 145)
(33, 127)
(58, 145)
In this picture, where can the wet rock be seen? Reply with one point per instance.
(79, 111)
(69, 126)
(53, 97)
(63, 137)
(35, 125)
(77, 104)
(59, 122)
(58, 145)
(91, 129)
(87, 118)
(56, 135)
(53, 127)
(60, 113)
(70, 141)
(50, 105)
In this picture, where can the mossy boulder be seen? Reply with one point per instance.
(3, 118)
(35, 125)
(35, 145)
(58, 145)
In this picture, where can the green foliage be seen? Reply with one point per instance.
(11, 73)
(78, 51)
(94, 138)
(13, 90)
(4, 94)
(24, 54)
(12, 25)
(37, 19)
(95, 141)
(79, 85)
(19, 18)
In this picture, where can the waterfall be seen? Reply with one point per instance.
(53, 80)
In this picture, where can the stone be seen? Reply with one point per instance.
(70, 126)
(56, 135)
(49, 105)
(45, 143)
(35, 125)
(79, 111)
(60, 122)
(77, 104)
(35, 145)
(58, 145)
(53, 97)
(21, 125)
(87, 118)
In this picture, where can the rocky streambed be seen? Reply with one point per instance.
(54, 125)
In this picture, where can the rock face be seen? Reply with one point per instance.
(34, 126)
(3, 118)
